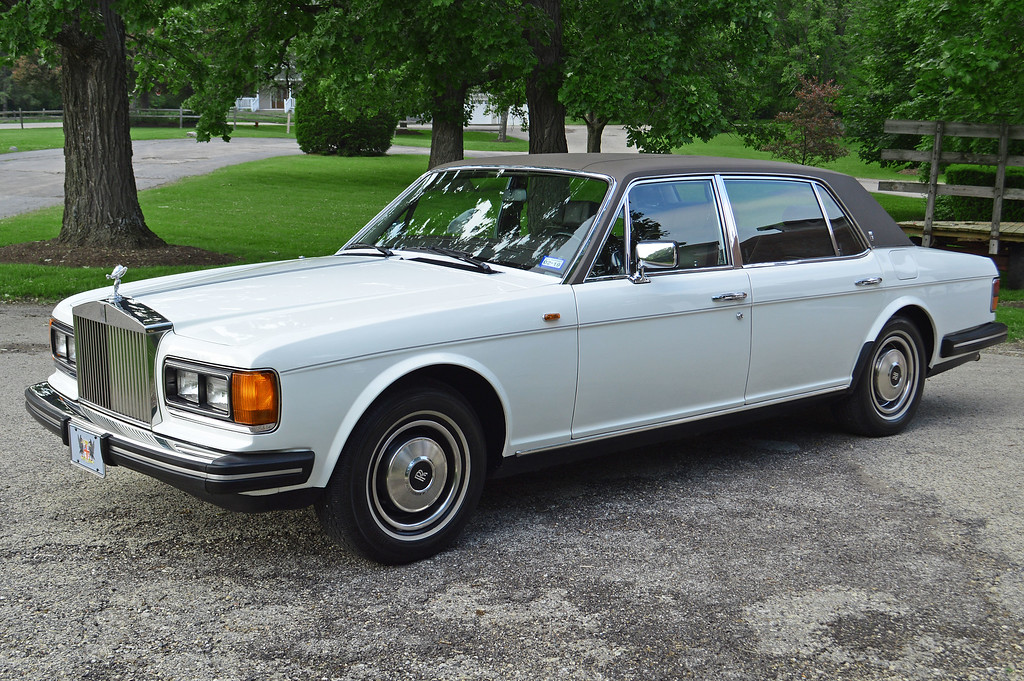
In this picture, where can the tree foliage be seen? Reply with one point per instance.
(969, 64)
(417, 58)
(811, 38)
(30, 83)
(669, 70)
(934, 60)
(219, 49)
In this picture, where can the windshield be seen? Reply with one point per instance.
(524, 219)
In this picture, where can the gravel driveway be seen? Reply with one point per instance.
(784, 550)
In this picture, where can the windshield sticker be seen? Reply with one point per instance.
(551, 263)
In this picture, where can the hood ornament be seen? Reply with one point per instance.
(116, 275)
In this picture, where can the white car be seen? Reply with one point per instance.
(500, 310)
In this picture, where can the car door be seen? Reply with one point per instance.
(815, 286)
(677, 345)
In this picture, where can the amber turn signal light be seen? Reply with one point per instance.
(995, 294)
(254, 399)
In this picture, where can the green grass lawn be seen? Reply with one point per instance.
(731, 145)
(1013, 317)
(476, 140)
(34, 139)
(902, 208)
(265, 210)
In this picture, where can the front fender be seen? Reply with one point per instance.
(394, 373)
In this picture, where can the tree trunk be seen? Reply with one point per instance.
(547, 114)
(447, 122)
(503, 126)
(595, 128)
(101, 203)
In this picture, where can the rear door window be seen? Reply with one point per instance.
(779, 220)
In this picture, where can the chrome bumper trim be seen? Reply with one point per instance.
(201, 471)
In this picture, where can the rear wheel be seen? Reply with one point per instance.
(409, 477)
(888, 393)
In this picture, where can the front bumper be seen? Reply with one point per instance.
(215, 476)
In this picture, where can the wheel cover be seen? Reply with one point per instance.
(895, 376)
(417, 476)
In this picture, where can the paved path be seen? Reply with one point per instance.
(31, 180)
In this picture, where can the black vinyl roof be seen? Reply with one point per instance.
(625, 168)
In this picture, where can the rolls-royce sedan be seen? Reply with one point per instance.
(504, 310)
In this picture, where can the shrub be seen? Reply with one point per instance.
(810, 134)
(972, 209)
(319, 130)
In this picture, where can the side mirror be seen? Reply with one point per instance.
(658, 254)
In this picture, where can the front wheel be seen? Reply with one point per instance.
(888, 393)
(409, 477)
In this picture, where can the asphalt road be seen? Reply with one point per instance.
(30, 180)
(784, 550)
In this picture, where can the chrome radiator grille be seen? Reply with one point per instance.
(116, 357)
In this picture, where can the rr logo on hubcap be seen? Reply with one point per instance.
(421, 475)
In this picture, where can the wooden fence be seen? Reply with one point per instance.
(180, 117)
(939, 130)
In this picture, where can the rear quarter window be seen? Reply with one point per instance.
(846, 238)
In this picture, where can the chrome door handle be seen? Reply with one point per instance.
(740, 295)
(872, 281)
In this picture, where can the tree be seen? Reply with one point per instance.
(670, 70)
(975, 74)
(34, 84)
(542, 29)
(918, 61)
(809, 38)
(219, 49)
(101, 206)
(414, 57)
(882, 80)
(811, 133)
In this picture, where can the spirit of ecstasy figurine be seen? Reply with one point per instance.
(116, 275)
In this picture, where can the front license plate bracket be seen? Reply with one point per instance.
(88, 449)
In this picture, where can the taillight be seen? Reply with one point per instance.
(995, 294)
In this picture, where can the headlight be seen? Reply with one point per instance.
(248, 398)
(186, 385)
(62, 346)
(217, 393)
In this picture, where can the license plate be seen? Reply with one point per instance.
(86, 450)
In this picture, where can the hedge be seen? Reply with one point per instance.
(319, 130)
(972, 209)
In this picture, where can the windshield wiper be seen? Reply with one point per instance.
(383, 250)
(461, 256)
